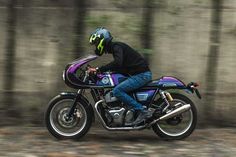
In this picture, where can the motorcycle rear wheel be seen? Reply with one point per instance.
(173, 128)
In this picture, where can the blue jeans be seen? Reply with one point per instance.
(130, 84)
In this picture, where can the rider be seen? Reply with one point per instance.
(126, 60)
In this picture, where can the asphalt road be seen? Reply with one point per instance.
(36, 142)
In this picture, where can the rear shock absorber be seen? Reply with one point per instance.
(169, 97)
(166, 96)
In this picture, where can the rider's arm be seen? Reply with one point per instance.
(118, 60)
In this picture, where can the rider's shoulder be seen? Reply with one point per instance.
(118, 45)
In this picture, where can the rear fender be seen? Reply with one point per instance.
(168, 82)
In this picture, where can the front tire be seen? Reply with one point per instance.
(166, 129)
(62, 128)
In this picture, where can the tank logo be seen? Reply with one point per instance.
(169, 85)
(105, 80)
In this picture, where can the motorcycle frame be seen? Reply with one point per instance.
(97, 98)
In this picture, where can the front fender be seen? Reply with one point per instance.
(71, 94)
(74, 94)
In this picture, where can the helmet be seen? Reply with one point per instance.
(100, 37)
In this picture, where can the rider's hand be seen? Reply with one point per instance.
(92, 70)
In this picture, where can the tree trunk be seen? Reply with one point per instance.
(9, 69)
(146, 33)
(213, 57)
(81, 12)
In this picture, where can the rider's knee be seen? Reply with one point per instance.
(116, 92)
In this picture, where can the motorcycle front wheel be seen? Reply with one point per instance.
(180, 126)
(57, 122)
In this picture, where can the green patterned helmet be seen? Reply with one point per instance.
(99, 38)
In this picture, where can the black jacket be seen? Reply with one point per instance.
(126, 60)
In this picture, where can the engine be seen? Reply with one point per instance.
(116, 113)
(119, 116)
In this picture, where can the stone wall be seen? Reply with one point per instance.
(41, 39)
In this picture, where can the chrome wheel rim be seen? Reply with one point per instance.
(66, 127)
(182, 127)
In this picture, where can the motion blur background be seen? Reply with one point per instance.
(193, 40)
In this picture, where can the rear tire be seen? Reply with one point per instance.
(59, 127)
(189, 128)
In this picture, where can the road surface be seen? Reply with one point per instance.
(36, 142)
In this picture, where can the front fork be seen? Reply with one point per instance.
(72, 109)
(78, 96)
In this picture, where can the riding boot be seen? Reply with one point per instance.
(142, 116)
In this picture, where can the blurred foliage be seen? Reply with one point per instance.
(131, 24)
(97, 21)
(232, 31)
(145, 51)
(127, 4)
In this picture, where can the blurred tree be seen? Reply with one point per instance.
(9, 69)
(213, 57)
(146, 31)
(81, 12)
(126, 5)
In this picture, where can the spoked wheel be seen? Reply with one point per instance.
(180, 126)
(62, 127)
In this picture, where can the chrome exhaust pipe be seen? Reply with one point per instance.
(174, 113)
(114, 128)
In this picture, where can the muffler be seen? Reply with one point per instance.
(174, 113)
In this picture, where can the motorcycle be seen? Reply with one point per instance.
(69, 115)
